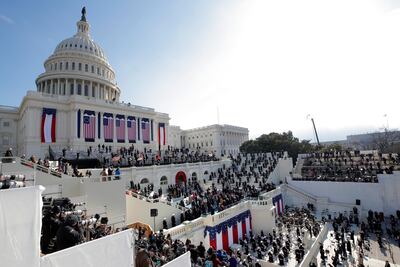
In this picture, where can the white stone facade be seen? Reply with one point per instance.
(79, 79)
(220, 139)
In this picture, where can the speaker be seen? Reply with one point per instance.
(358, 202)
(153, 212)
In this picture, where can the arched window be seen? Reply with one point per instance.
(73, 65)
(164, 180)
(144, 181)
(60, 65)
(66, 65)
(79, 66)
(93, 91)
(86, 67)
(79, 89)
(92, 69)
(86, 90)
(71, 89)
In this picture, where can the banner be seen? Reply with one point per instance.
(120, 128)
(89, 125)
(161, 134)
(48, 125)
(108, 127)
(145, 130)
(131, 125)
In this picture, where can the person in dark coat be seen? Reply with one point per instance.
(69, 234)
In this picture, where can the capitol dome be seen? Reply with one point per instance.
(79, 66)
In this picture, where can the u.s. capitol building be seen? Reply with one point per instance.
(77, 104)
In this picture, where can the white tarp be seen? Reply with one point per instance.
(110, 251)
(20, 224)
(181, 261)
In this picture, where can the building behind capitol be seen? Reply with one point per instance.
(77, 105)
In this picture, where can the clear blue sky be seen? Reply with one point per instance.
(265, 64)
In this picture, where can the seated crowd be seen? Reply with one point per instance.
(285, 243)
(246, 178)
(348, 166)
(350, 240)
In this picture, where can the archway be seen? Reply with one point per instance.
(194, 176)
(180, 177)
(164, 180)
(144, 181)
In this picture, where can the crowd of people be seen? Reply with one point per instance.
(350, 240)
(285, 243)
(246, 178)
(131, 156)
(64, 226)
(348, 166)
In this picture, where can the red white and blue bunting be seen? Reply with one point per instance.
(277, 201)
(229, 232)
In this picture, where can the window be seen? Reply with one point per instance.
(86, 67)
(60, 65)
(79, 89)
(102, 72)
(6, 124)
(71, 89)
(93, 91)
(86, 90)
(92, 69)
(164, 180)
(51, 66)
(6, 140)
(80, 66)
(66, 65)
(73, 65)
(55, 66)
(98, 71)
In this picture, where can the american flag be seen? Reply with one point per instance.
(89, 126)
(131, 124)
(108, 127)
(120, 128)
(146, 131)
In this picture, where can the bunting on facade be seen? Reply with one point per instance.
(223, 235)
(48, 132)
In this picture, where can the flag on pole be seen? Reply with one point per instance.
(48, 125)
(89, 125)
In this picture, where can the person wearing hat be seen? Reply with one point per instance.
(50, 225)
(69, 234)
(8, 153)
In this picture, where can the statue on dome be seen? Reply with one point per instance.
(83, 18)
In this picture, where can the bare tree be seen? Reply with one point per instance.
(385, 141)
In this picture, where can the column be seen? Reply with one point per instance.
(67, 87)
(91, 89)
(51, 86)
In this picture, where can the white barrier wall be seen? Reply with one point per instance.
(113, 250)
(181, 261)
(314, 249)
(20, 224)
(263, 218)
(372, 195)
(138, 210)
(282, 170)
(105, 196)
